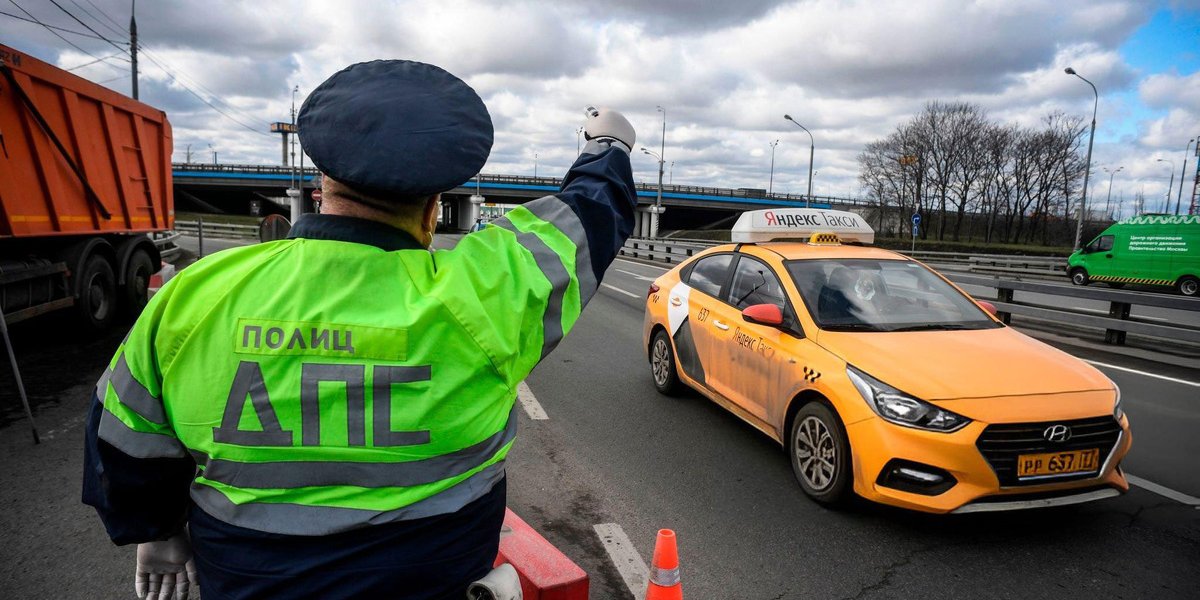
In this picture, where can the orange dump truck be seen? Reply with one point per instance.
(85, 178)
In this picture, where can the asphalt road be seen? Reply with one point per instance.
(612, 451)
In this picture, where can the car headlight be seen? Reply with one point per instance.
(1117, 412)
(897, 407)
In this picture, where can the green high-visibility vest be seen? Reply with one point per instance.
(323, 386)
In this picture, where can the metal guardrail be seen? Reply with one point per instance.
(225, 230)
(167, 244)
(1003, 264)
(1116, 324)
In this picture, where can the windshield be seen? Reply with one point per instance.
(882, 295)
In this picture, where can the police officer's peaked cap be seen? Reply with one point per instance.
(396, 127)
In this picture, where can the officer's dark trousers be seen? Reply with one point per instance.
(431, 558)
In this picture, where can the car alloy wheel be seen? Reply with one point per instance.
(816, 453)
(661, 361)
(662, 365)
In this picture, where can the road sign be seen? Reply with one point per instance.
(916, 229)
(916, 219)
(316, 195)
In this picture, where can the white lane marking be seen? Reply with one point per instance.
(1105, 312)
(1145, 373)
(1166, 492)
(629, 563)
(617, 289)
(635, 275)
(530, 403)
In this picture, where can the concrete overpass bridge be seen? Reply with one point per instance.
(247, 189)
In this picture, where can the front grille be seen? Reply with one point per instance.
(1002, 444)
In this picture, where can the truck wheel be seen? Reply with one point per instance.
(1079, 276)
(137, 282)
(1188, 285)
(97, 301)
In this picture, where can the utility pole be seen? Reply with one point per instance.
(133, 45)
(189, 154)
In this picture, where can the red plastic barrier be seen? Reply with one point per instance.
(546, 573)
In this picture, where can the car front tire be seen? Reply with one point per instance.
(820, 454)
(1079, 276)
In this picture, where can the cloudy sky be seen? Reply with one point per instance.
(726, 72)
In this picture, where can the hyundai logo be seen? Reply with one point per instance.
(1057, 433)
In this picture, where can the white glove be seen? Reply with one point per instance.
(608, 124)
(165, 570)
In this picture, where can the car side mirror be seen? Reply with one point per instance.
(988, 306)
(763, 314)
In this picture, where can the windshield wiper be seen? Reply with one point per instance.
(851, 327)
(936, 327)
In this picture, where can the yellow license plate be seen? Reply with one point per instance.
(1058, 463)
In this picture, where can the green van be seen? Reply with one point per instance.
(1147, 250)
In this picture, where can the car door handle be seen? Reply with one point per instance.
(1107, 256)
(675, 301)
(720, 325)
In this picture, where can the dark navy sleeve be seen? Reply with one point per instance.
(138, 499)
(599, 188)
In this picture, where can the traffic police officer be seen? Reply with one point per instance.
(328, 415)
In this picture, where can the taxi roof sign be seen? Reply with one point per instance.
(776, 224)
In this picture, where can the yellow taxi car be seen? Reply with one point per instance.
(879, 376)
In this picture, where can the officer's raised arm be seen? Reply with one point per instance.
(545, 259)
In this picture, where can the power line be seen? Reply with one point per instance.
(117, 55)
(202, 98)
(35, 21)
(102, 13)
(85, 25)
(102, 23)
(113, 79)
(174, 74)
(57, 34)
(184, 80)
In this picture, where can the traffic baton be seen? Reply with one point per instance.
(664, 569)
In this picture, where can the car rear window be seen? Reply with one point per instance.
(710, 273)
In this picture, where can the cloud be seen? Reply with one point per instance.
(726, 73)
(1166, 90)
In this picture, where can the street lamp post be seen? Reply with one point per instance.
(1167, 207)
(811, 146)
(535, 157)
(1182, 175)
(771, 179)
(189, 154)
(214, 151)
(578, 132)
(657, 208)
(662, 153)
(1088, 169)
(1108, 200)
(671, 174)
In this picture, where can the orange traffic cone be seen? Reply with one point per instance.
(664, 569)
